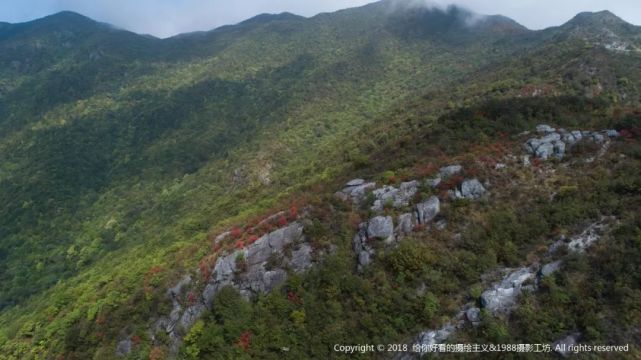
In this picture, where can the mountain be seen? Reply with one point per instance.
(123, 157)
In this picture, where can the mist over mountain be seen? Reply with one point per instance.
(272, 188)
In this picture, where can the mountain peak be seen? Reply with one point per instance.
(600, 18)
(267, 17)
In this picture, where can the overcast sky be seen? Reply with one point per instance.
(164, 18)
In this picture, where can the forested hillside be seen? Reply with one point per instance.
(123, 157)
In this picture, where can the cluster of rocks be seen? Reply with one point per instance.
(358, 190)
(381, 228)
(554, 143)
(501, 297)
(256, 269)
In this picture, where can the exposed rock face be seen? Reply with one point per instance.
(257, 279)
(405, 225)
(123, 348)
(434, 337)
(397, 198)
(501, 298)
(362, 247)
(473, 315)
(554, 143)
(448, 171)
(545, 129)
(427, 211)
(381, 227)
(355, 182)
(355, 190)
(549, 269)
(250, 270)
(470, 189)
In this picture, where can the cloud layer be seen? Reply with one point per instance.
(169, 17)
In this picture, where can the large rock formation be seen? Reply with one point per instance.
(256, 269)
(554, 142)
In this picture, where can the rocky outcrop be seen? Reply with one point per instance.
(427, 211)
(255, 269)
(470, 189)
(554, 143)
(246, 269)
(355, 190)
(450, 170)
(381, 228)
(394, 197)
(501, 297)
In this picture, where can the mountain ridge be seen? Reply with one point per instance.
(582, 18)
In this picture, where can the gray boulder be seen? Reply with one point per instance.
(544, 151)
(364, 258)
(598, 138)
(473, 315)
(545, 129)
(123, 348)
(551, 137)
(355, 182)
(405, 225)
(559, 149)
(448, 171)
(427, 211)
(549, 269)
(381, 227)
(612, 133)
(472, 189)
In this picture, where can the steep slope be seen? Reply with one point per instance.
(113, 191)
(162, 119)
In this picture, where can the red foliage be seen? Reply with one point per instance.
(451, 183)
(205, 268)
(536, 162)
(216, 247)
(282, 221)
(472, 172)
(101, 319)
(630, 134)
(488, 161)
(426, 170)
(419, 227)
(293, 298)
(244, 342)
(235, 233)
(252, 239)
(293, 213)
(240, 244)
(135, 339)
